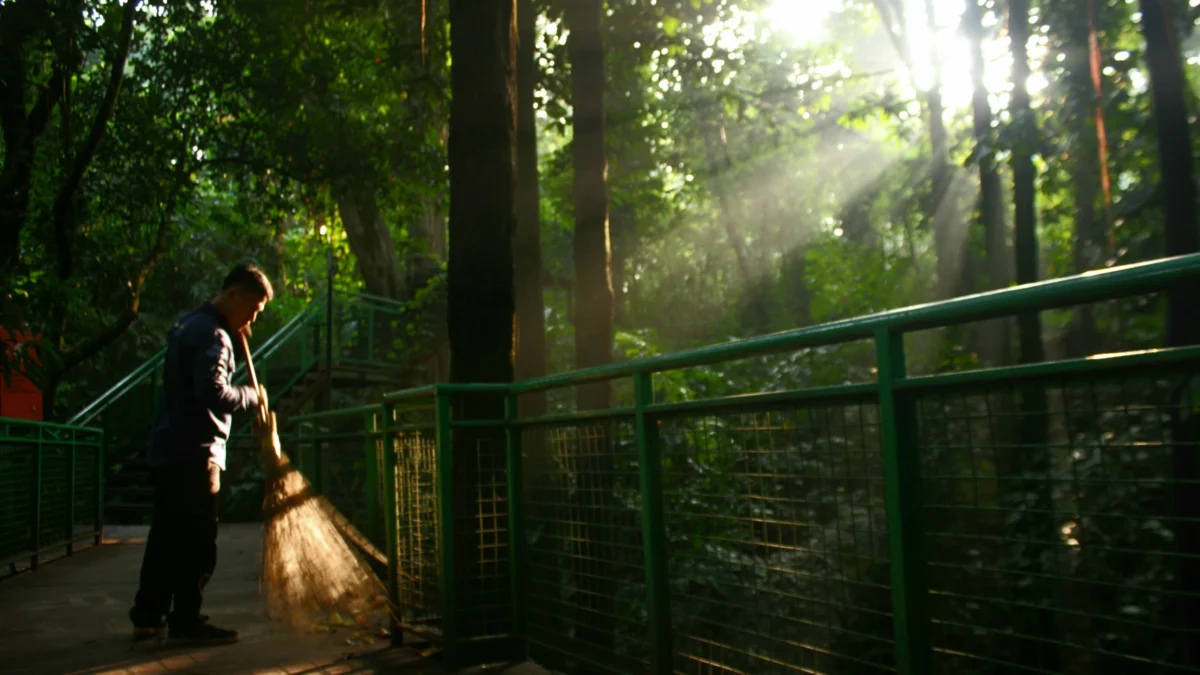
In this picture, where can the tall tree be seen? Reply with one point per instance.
(592, 252)
(995, 340)
(531, 326)
(1024, 140)
(1169, 88)
(1032, 429)
(480, 301)
(593, 308)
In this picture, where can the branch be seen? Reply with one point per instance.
(63, 222)
(104, 338)
(890, 23)
(21, 136)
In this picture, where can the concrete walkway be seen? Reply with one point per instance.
(70, 617)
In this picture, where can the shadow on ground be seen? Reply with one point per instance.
(70, 617)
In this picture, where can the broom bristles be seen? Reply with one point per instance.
(312, 579)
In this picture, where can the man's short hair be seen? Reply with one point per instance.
(249, 277)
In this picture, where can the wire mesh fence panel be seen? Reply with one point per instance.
(17, 484)
(483, 607)
(87, 484)
(343, 471)
(1054, 539)
(778, 540)
(45, 500)
(56, 492)
(414, 442)
(585, 593)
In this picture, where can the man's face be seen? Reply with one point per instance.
(245, 308)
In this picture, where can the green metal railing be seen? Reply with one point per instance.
(51, 488)
(1040, 518)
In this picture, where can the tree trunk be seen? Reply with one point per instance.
(1169, 86)
(594, 580)
(1024, 189)
(1033, 460)
(996, 349)
(370, 240)
(480, 300)
(592, 253)
(1089, 158)
(623, 231)
(717, 146)
(941, 213)
(531, 321)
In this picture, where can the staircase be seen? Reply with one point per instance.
(368, 350)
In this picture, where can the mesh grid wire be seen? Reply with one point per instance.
(777, 534)
(343, 470)
(86, 485)
(18, 458)
(17, 477)
(585, 580)
(56, 491)
(1052, 536)
(417, 516)
(484, 604)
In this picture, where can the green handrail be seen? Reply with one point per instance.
(153, 365)
(93, 410)
(1112, 283)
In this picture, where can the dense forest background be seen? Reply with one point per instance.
(690, 171)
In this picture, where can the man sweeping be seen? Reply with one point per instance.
(186, 454)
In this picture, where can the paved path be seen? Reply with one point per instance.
(69, 617)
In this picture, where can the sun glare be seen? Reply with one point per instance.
(802, 20)
(805, 22)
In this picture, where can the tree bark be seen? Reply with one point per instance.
(594, 581)
(995, 337)
(941, 213)
(592, 252)
(370, 240)
(1168, 86)
(482, 189)
(1033, 460)
(531, 322)
(1024, 190)
(1083, 69)
(480, 293)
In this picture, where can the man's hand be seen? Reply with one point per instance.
(268, 437)
(263, 409)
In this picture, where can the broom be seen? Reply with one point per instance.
(312, 580)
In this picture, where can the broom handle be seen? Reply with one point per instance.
(249, 361)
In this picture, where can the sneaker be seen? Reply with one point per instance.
(146, 630)
(203, 632)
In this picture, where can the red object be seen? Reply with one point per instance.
(19, 396)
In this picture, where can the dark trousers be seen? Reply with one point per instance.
(181, 551)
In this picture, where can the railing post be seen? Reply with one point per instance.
(36, 535)
(71, 493)
(654, 527)
(371, 462)
(327, 395)
(391, 536)
(902, 489)
(516, 521)
(100, 452)
(447, 544)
